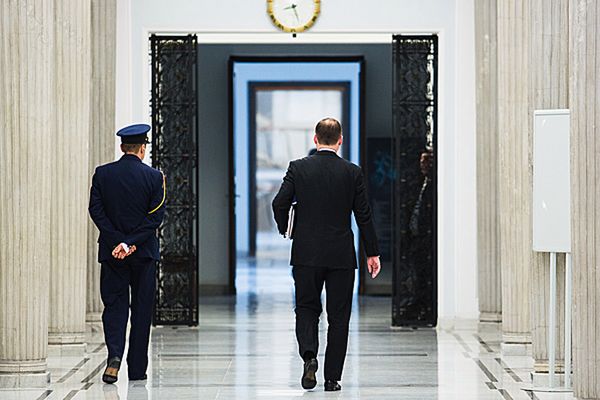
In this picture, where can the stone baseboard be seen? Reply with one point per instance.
(24, 380)
(67, 350)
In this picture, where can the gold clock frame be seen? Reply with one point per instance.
(296, 29)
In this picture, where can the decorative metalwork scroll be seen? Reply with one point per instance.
(414, 109)
(174, 152)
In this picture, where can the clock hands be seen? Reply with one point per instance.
(293, 7)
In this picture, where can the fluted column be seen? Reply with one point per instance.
(548, 89)
(70, 176)
(488, 232)
(26, 107)
(515, 185)
(584, 101)
(102, 125)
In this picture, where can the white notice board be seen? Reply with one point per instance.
(551, 182)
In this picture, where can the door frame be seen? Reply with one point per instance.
(360, 59)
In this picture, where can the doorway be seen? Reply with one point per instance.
(282, 116)
(413, 96)
(275, 106)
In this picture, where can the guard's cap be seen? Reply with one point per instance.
(134, 134)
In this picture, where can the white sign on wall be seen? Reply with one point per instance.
(551, 182)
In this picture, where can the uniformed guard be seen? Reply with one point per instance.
(127, 205)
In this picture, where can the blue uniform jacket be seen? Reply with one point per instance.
(127, 205)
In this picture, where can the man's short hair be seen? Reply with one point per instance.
(131, 147)
(328, 131)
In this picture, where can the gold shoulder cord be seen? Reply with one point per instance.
(164, 195)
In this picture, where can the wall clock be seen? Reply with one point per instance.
(293, 15)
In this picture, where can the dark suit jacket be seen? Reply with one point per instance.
(327, 189)
(127, 205)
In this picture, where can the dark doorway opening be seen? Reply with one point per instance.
(344, 93)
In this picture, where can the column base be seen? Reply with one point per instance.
(516, 349)
(543, 368)
(542, 379)
(490, 317)
(95, 316)
(516, 344)
(488, 327)
(95, 329)
(24, 380)
(67, 350)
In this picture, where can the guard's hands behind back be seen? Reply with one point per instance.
(122, 251)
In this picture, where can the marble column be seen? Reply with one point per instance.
(488, 232)
(584, 102)
(548, 89)
(102, 126)
(26, 107)
(69, 219)
(514, 178)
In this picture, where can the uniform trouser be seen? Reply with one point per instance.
(339, 287)
(115, 279)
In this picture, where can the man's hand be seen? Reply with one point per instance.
(122, 251)
(374, 266)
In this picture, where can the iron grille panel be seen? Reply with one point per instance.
(414, 109)
(174, 145)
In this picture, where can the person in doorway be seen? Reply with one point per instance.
(328, 189)
(127, 205)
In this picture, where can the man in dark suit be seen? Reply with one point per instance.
(327, 189)
(127, 205)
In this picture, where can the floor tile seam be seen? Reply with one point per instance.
(293, 385)
(94, 372)
(73, 370)
(480, 363)
(508, 370)
(503, 390)
(45, 394)
(510, 387)
(293, 355)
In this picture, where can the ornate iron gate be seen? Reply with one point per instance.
(415, 191)
(174, 152)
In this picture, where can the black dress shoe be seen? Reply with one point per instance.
(141, 378)
(309, 377)
(112, 370)
(332, 386)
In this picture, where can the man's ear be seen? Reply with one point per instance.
(315, 139)
(341, 140)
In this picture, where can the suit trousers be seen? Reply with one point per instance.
(115, 280)
(339, 287)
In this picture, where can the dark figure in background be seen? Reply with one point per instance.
(127, 205)
(328, 189)
(417, 284)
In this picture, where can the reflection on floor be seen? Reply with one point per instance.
(245, 348)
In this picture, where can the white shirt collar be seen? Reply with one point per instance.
(327, 149)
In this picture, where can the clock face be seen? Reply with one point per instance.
(293, 15)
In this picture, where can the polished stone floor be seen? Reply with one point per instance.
(244, 348)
